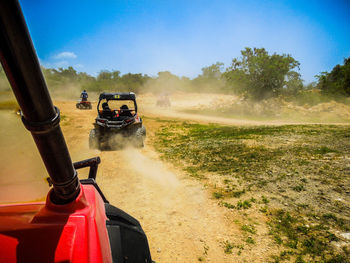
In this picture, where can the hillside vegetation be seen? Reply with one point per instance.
(255, 76)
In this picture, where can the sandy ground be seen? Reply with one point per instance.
(182, 221)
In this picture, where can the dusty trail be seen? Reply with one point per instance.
(180, 219)
(179, 115)
(181, 102)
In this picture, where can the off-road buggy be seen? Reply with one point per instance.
(163, 101)
(117, 122)
(83, 105)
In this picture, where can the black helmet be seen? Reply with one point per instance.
(105, 106)
(124, 107)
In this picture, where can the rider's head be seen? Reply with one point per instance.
(84, 90)
(105, 106)
(124, 107)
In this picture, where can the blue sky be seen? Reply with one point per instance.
(184, 36)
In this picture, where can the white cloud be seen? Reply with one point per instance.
(65, 55)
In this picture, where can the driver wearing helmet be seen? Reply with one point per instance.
(84, 96)
(106, 111)
(124, 111)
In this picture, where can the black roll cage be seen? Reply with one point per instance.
(117, 96)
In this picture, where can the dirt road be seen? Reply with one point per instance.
(181, 219)
(182, 222)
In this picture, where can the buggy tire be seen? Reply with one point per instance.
(141, 132)
(94, 139)
(140, 135)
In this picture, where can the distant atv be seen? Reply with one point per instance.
(118, 125)
(163, 101)
(84, 105)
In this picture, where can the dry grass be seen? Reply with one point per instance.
(297, 176)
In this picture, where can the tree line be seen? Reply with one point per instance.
(336, 82)
(256, 75)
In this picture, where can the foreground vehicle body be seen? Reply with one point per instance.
(88, 229)
(85, 230)
(76, 223)
(113, 127)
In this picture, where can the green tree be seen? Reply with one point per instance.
(260, 75)
(107, 80)
(211, 79)
(115, 75)
(293, 84)
(213, 71)
(167, 76)
(133, 82)
(68, 73)
(104, 75)
(337, 82)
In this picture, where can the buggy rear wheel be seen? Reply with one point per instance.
(140, 135)
(94, 139)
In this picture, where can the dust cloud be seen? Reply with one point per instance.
(66, 92)
(149, 168)
(22, 175)
(70, 92)
(211, 97)
(231, 109)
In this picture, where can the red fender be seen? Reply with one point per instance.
(45, 232)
